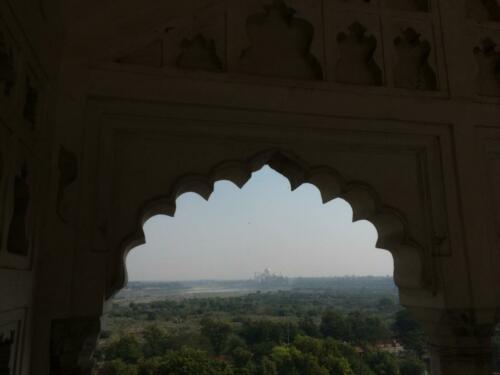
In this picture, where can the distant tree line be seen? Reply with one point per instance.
(335, 343)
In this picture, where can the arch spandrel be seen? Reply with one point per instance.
(393, 179)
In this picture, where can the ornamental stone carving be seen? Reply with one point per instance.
(18, 242)
(356, 64)
(280, 45)
(199, 53)
(412, 70)
(488, 62)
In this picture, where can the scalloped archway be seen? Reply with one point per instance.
(391, 226)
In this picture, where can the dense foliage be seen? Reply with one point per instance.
(306, 331)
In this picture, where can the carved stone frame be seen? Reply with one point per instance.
(110, 124)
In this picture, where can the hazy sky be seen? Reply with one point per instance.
(265, 224)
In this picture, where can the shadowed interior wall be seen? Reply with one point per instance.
(109, 111)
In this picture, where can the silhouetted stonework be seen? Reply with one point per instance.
(18, 240)
(280, 45)
(72, 343)
(413, 146)
(413, 71)
(344, 41)
(488, 60)
(6, 352)
(356, 64)
(199, 53)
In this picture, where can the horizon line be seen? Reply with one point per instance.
(251, 279)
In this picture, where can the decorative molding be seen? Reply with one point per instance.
(294, 42)
(233, 139)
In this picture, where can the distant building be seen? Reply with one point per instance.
(268, 278)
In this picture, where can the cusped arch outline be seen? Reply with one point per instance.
(392, 228)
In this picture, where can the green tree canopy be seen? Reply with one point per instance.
(127, 348)
(217, 332)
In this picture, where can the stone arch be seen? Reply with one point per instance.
(391, 226)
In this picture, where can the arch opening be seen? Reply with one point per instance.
(263, 225)
(391, 227)
(312, 327)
